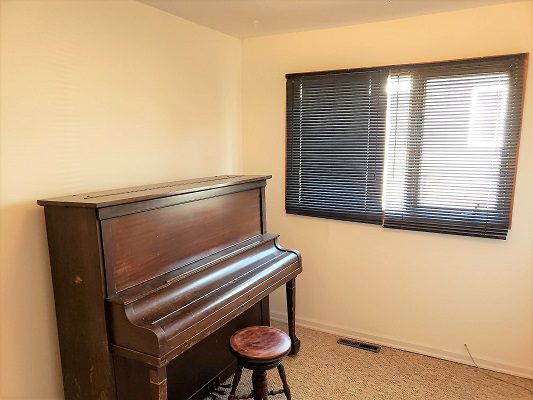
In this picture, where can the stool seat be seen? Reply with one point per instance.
(260, 348)
(260, 344)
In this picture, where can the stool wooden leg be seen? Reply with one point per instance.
(283, 377)
(257, 381)
(235, 383)
(264, 386)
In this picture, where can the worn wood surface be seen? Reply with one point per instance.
(260, 348)
(77, 276)
(189, 375)
(168, 320)
(142, 246)
(135, 194)
(291, 313)
(260, 343)
(150, 283)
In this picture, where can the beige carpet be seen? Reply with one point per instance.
(324, 370)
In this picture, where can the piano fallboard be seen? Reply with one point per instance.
(166, 320)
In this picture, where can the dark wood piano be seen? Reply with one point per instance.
(150, 282)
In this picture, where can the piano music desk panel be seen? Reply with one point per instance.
(142, 246)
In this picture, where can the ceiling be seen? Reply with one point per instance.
(246, 18)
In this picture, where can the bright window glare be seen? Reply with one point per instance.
(488, 113)
(451, 176)
(458, 141)
(398, 83)
(397, 132)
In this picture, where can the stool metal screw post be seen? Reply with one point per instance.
(260, 348)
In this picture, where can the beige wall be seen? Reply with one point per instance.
(421, 291)
(95, 95)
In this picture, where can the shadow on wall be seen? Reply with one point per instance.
(28, 333)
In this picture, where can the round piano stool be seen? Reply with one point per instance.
(260, 348)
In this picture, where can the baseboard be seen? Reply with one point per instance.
(401, 345)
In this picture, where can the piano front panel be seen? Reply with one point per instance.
(192, 371)
(141, 246)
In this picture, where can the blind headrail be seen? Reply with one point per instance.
(521, 56)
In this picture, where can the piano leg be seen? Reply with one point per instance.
(291, 310)
(158, 383)
(265, 312)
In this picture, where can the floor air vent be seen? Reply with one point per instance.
(360, 345)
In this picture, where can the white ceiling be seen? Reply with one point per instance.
(245, 18)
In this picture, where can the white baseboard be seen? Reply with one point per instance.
(401, 345)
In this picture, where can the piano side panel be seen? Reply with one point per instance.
(139, 247)
(79, 293)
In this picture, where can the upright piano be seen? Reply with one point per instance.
(151, 281)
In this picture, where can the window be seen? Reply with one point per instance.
(429, 147)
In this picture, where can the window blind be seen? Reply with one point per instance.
(430, 147)
(451, 151)
(335, 144)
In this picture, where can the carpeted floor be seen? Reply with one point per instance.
(324, 370)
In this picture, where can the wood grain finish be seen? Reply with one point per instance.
(77, 276)
(167, 321)
(189, 375)
(156, 191)
(142, 246)
(290, 289)
(151, 282)
(260, 343)
(260, 348)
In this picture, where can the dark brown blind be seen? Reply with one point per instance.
(335, 145)
(452, 139)
(430, 147)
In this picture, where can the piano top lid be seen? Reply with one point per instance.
(138, 193)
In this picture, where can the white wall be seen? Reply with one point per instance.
(421, 291)
(95, 95)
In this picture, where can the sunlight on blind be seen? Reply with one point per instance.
(429, 147)
(451, 139)
(462, 142)
(396, 141)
